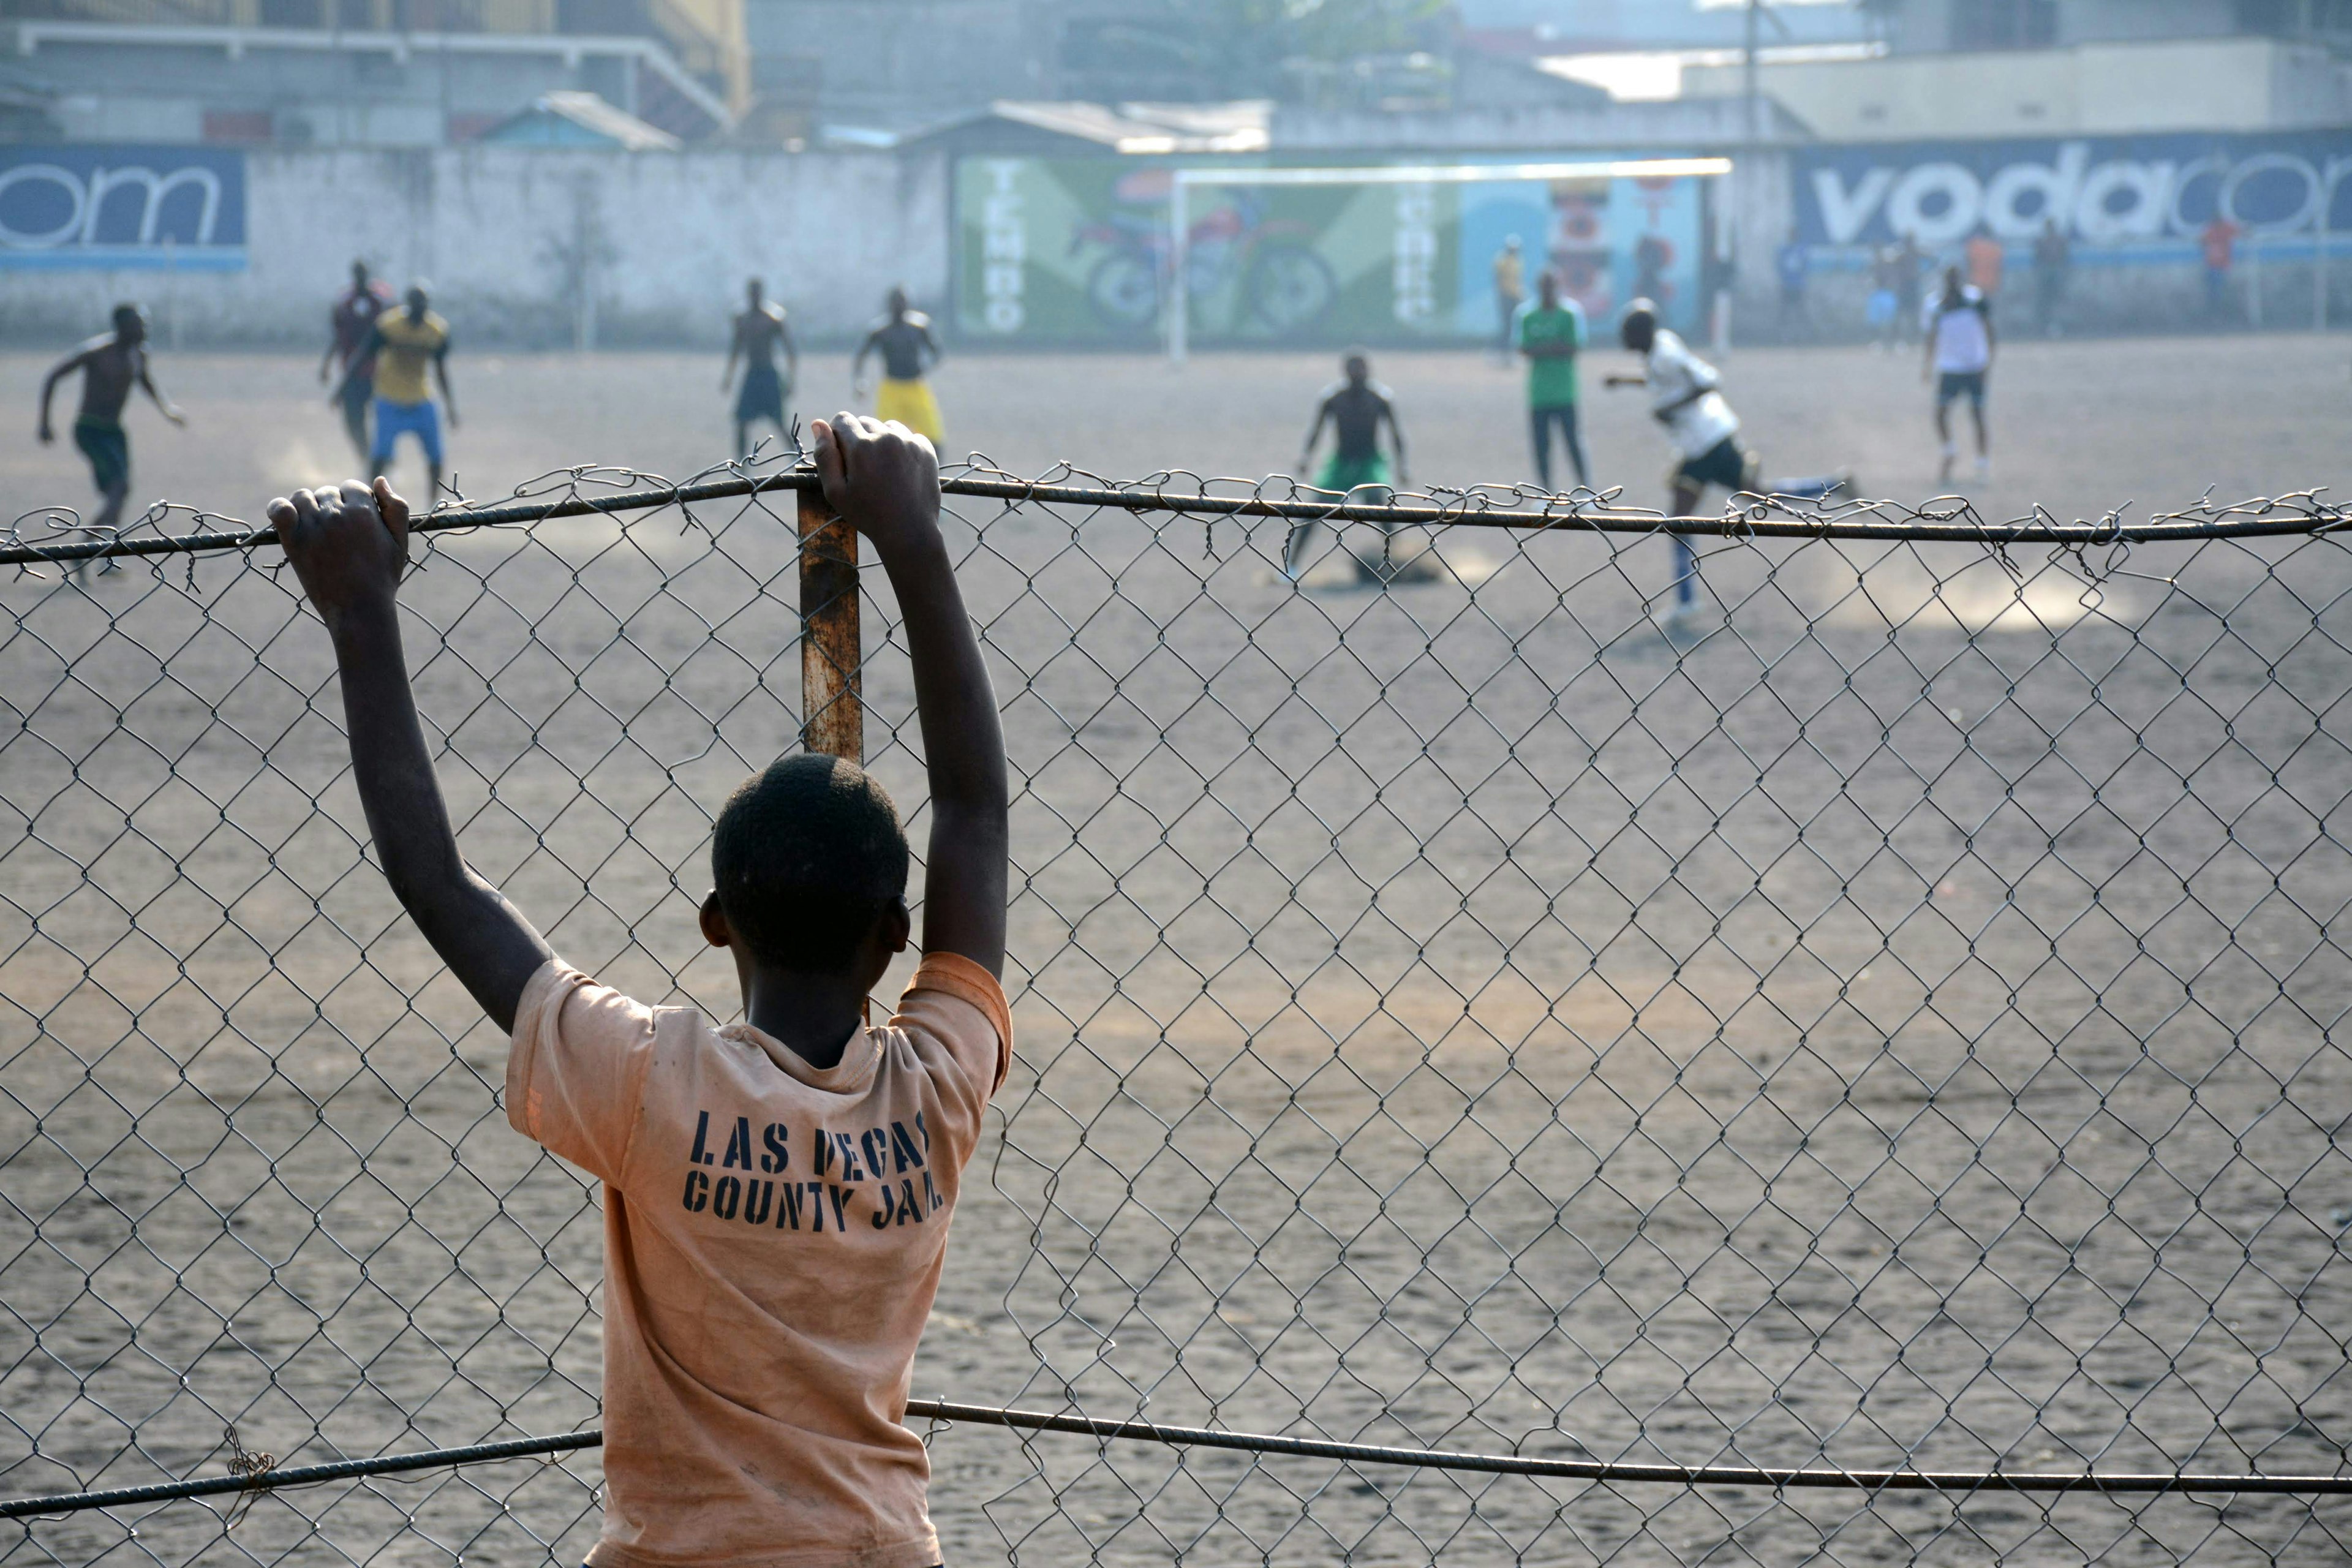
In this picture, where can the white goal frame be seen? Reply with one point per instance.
(1179, 205)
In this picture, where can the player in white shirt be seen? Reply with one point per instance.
(1959, 329)
(1685, 397)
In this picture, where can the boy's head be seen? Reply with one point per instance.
(417, 298)
(1547, 289)
(896, 302)
(1356, 367)
(130, 324)
(807, 858)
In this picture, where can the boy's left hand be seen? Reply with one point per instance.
(348, 543)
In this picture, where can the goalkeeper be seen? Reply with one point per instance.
(1355, 407)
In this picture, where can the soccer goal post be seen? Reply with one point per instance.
(1180, 185)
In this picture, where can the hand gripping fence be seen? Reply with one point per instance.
(1847, 1074)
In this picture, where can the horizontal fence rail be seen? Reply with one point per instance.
(1511, 1064)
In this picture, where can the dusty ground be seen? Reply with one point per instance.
(1894, 1029)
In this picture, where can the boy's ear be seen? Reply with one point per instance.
(714, 922)
(897, 926)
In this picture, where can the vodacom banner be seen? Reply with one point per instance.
(2103, 191)
(118, 207)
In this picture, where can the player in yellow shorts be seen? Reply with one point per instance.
(908, 350)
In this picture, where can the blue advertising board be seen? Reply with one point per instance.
(2103, 191)
(121, 206)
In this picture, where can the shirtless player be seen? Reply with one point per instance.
(909, 350)
(110, 367)
(759, 331)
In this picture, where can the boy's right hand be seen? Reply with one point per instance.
(348, 543)
(883, 479)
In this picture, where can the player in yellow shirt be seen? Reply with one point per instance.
(401, 345)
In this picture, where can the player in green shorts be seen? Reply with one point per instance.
(1355, 409)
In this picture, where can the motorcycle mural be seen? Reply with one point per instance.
(1078, 250)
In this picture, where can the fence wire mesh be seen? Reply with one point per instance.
(1886, 1021)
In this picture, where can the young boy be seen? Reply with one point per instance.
(778, 1192)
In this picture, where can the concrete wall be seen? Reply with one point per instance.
(534, 247)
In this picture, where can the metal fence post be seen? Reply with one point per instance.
(833, 713)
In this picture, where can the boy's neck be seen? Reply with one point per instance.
(815, 1014)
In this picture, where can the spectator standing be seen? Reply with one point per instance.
(1792, 264)
(2054, 260)
(1550, 333)
(1986, 259)
(2220, 240)
(1910, 272)
(1510, 293)
(1884, 310)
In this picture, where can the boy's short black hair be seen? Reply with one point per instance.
(806, 856)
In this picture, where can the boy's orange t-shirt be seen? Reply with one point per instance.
(774, 1234)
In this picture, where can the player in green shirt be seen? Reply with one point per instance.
(1550, 330)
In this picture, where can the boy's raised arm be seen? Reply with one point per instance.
(885, 480)
(348, 545)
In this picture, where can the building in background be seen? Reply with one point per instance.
(358, 73)
(910, 65)
(1974, 68)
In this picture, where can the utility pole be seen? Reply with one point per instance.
(1754, 93)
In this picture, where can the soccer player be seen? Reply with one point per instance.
(777, 1191)
(1686, 397)
(1958, 331)
(760, 331)
(1355, 407)
(400, 345)
(110, 366)
(1510, 292)
(350, 326)
(909, 351)
(1551, 332)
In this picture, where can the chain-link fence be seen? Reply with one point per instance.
(1883, 1022)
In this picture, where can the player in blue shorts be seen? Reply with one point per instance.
(758, 333)
(401, 345)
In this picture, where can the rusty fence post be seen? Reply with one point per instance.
(832, 714)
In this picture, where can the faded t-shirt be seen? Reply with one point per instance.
(774, 1234)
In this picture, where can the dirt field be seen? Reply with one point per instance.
(1893, 1029)
(2078, 427)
